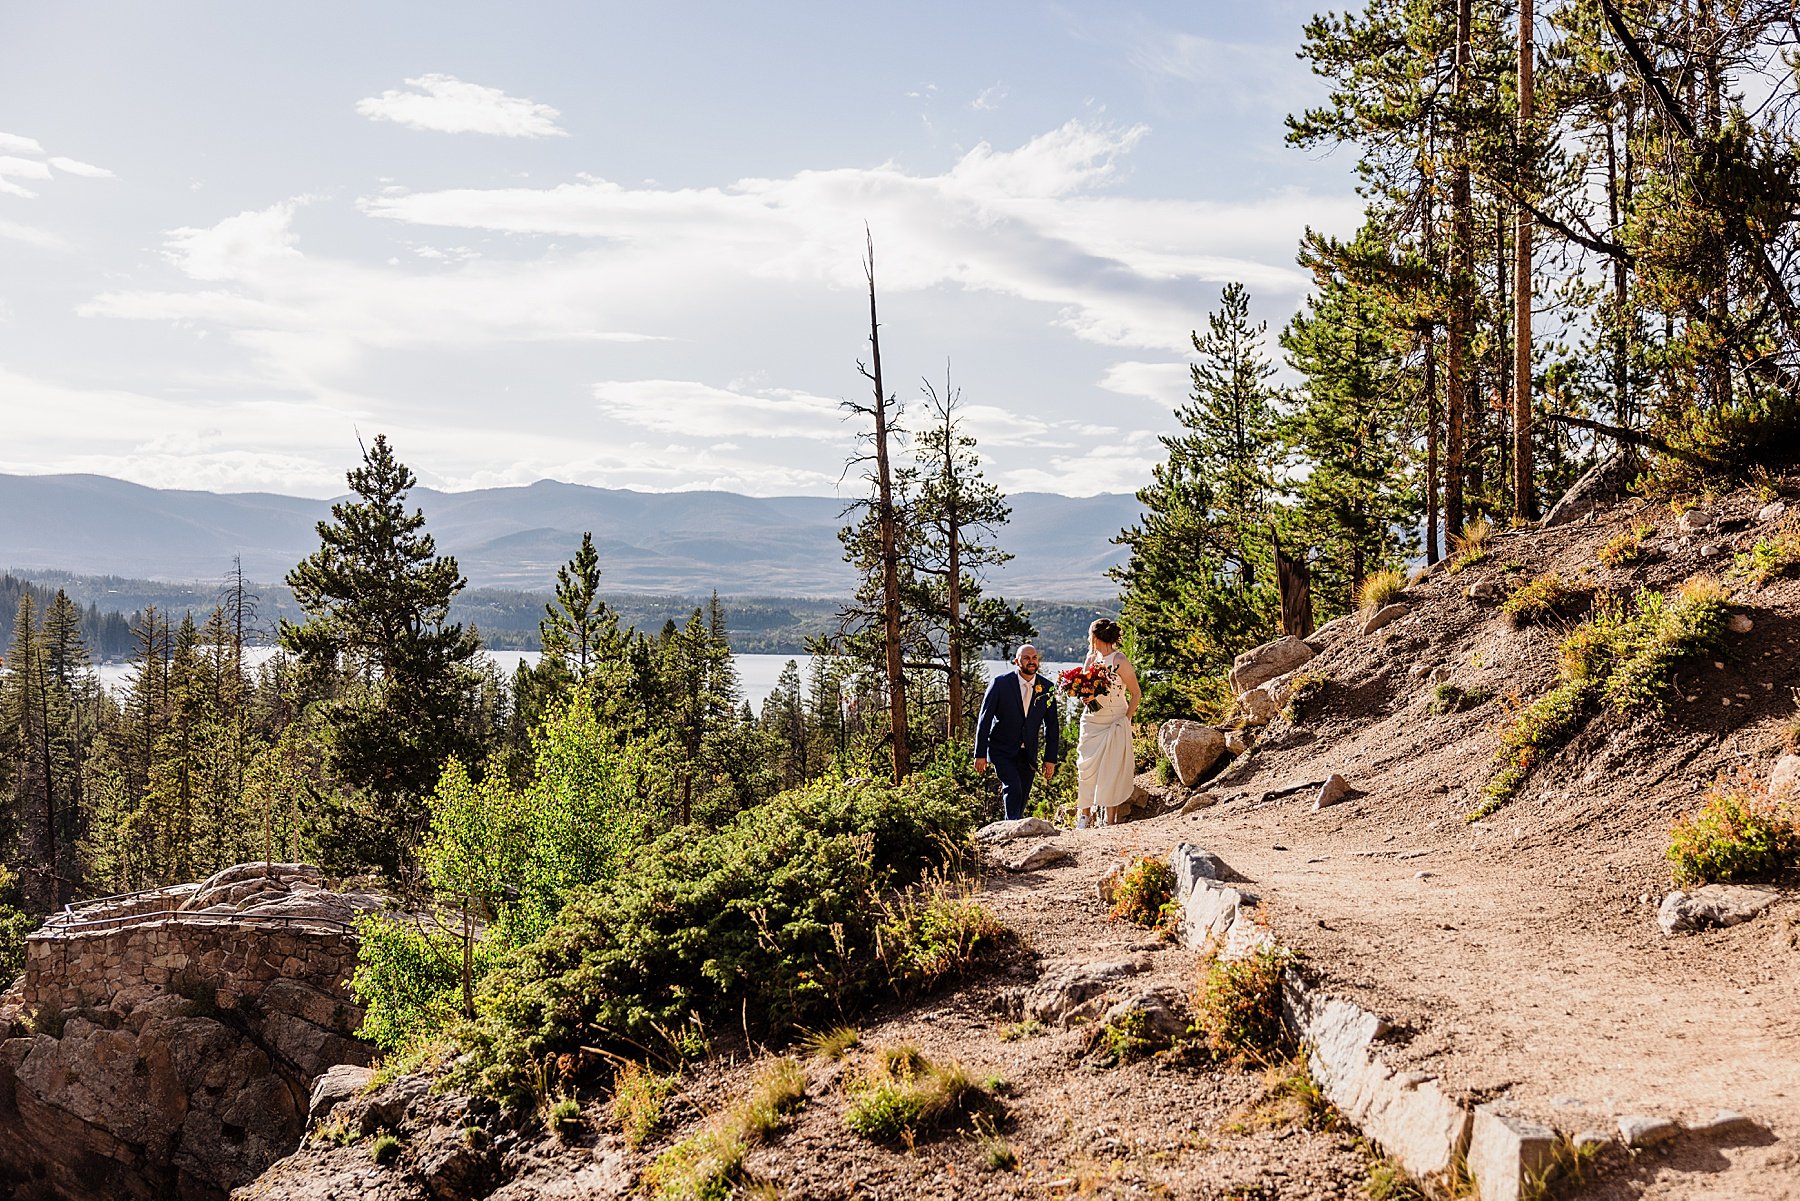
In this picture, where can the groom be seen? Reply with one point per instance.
(1017, 705)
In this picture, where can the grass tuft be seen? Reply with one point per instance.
(901, 1096)
(1539, 600)
(564, 1118)
(385, 1149)
(1381, 589)
(709, 1165)
(1738, 833)
(1771, 558)
(1471, 546)
(933, 933)
(831, 1044)
(1453, 698)
(640, 1102)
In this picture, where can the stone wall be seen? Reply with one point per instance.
(230, 959)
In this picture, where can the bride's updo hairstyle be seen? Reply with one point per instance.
(1107, 630)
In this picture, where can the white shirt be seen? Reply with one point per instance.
(1025, 687)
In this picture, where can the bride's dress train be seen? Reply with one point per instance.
(1103, 757)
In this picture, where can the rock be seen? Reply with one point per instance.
(1740, 624)
(340, 1083)
(1266, 662)
(1258, 707)
(1784, 780)
(1507, 1155)
(1212, 910)
(1773, 511)
(1238, 741)
(1333, 790)
(1191, 746)
(1037, 855)
(1604, 481)
(1193, 864)
(1385, 616)
(995, 833)
(1075, 990)
(1161, 1013)
(1730, 1124)
(1484, 590)
(1639, 1130)
(1695, 520)
(451, 1169)
(1591, 1138)
(1711, 905)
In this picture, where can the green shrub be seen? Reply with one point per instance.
(1771, 558)
(1625, 548)
(1126, 1038)
(1539, 599)
(1381, 589)
(385, 1149)
(1029, 1028)
(1166, 774)
(902, 1096)
(564, 1118)
(640, 1102)
(1738, 833)
(1237, 1007)
(1145, 890)
(1453, 698)
(773, 916)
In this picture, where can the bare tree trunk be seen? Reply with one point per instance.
(1462, 272)
(1524, 493)
(1294, 582)
(887, 522)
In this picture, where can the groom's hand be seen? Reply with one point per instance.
(980, 766)
(1049, 772)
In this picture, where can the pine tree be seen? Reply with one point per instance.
(377, 598)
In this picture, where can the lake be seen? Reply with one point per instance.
(757, 674)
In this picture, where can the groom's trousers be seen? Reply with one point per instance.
(1015, 782)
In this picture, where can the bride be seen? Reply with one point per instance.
(1104, 764)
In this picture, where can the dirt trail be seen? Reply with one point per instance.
(1520, 955)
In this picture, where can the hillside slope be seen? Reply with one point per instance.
(1517, 958)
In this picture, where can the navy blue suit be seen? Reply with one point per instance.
(1006, 735)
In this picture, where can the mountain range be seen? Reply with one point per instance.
(681, 542)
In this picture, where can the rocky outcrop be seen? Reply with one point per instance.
(1605, 481)
(1192, 747)
(163, 1045)
(1267, 661)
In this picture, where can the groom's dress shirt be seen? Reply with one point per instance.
(1025, 686)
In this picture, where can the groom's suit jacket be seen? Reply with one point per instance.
(1011, 728)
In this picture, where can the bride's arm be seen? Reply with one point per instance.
(1129, 676)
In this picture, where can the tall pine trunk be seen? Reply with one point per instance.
(1462, 280)
(1524, 498)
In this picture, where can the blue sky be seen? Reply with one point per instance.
(620, 244)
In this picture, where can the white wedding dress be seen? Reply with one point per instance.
(1103, 758)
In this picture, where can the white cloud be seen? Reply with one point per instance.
(23, 168)
(77, 167)
(989, 99)
(698, 410)
(446, 104)
(30, 235)
(1168, 384)
(12, 143)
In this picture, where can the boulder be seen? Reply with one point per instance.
(1160, 1015)
(1035, 856)
(1258, 707)
(995, 833)
(1191, 746)
(1075, 991)
(1483, 590)
(1385, 616)
(1238, 741)
(1508, 1156)
(340, 1083)
(1711, 905)
(1266, 662)
(1784, 780)
(1773, 511)
(1740, 624)
(1604, 481)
